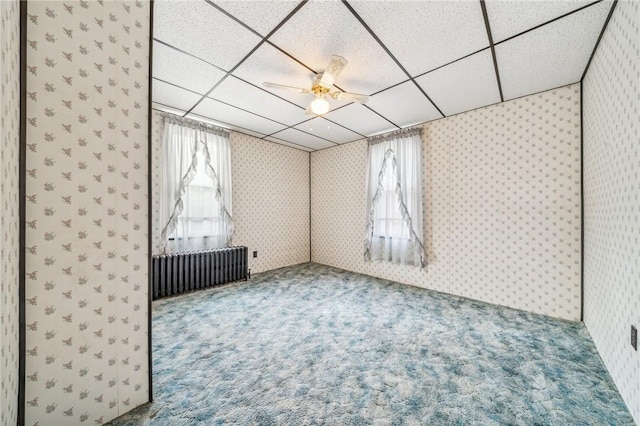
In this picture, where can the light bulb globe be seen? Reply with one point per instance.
(319, 106)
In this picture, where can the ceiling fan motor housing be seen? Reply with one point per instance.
(319, 89)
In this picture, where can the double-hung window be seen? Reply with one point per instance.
(394, 228)
(200, 215)
(196, 186)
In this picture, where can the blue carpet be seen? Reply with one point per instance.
(310, 344)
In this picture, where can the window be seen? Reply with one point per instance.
(196, 186)
(389, 222)
(200, 209)
(394, 199)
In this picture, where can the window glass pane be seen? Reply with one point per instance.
(201, 201)
(201, 178)
(389, 219)
(201, 211)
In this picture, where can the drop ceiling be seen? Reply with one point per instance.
(417, 60)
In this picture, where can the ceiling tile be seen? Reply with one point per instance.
(269, 64)
(404, 105)
(224, 125)
(301, 138)
(173, 96)
(322, 29)
(328, 130)
(424, 35)
(551, 56)
(262, 16)
(248, 97)
(289, 144)
(360, 119)
(183, 70)
(508, 18)
(227, 114)
(463, 85)
(202, 30)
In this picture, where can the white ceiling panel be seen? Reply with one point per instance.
(183, 70)
(404, 105)
(242, 95)
(551, 56)
(508, 18)
(289, 144)
(322, 29)
(173, 96)
(360, 119)
(262, 16)
(463, 85)
(202, 30)
(424, 35)
(236, 117)
(328, 130)
(304, 139)
(269, 64)
(224, 125)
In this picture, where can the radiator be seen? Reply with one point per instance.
(183, 272)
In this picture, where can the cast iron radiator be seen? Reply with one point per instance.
(182, 272)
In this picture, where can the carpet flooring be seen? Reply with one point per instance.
(310, 344)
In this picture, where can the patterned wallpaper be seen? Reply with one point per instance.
(270, 199)
(9, 204)
(86, 212)
(156, 179)
(612, 198)
(502, 205)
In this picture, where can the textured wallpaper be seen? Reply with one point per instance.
(270, 199)
(9, 204)
(86, 211)
(502, 205)
(612, 199)
(156, 179)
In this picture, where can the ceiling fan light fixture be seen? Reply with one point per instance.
(322, 88)
(319, 106)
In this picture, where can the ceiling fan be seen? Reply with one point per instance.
(322, 88)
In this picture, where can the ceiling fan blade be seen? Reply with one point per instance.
(333, 69)
(282, 86)
(355, 97)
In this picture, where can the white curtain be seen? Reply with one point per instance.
(195, 195)
(394, 230)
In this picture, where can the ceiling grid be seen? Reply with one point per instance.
(491, 46)
(417, 61)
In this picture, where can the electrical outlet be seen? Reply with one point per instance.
(634, 337)
(255, 254)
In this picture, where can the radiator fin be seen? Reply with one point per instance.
(179, 273)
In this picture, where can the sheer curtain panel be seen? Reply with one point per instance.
(394, 228)
(195, 196)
